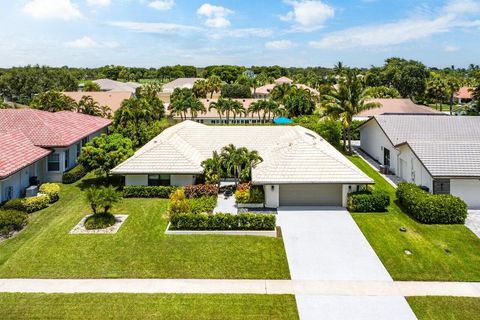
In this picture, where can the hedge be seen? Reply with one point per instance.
(74, 174)
(368, 201)
(52, 190)
(429, 208)
(201, 190)
(222, 221)
(201, 205)
(253, 195)
(148, 191)
(28, 205)
(12, 220)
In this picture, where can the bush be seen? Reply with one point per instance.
(253, 195)
(327, 129)
(148, 191)
(201, 205)
(429, 208)
(52, 190)
(222, 221)
(99, 221)
(368, 201)
(201, 190)
(74, 174)
(236, 91)
(12, 220)
(28, 205)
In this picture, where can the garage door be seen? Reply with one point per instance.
(311, 195)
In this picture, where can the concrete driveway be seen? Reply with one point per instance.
(325, 244)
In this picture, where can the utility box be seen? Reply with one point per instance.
(31, 191)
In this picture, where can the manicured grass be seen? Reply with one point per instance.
(428, 243)
(445, 308)
(140, 249)
(146, 306)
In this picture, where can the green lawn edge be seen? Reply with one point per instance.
(445, 308)
(439, 252)
(146, 306)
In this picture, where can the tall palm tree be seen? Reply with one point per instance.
(200, 89)
(214, 85)
(195, 106)
(267, 108)
(227, 107)
(280, 92)
(87, 105)
(345, 103)
(452, 85)
(250, 160)
(214, 168)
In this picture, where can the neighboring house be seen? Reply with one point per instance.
(395, 106)
(111, 99)
(441, 153)
(263, 92)
(299, 167)
(41, 144)
(464, 95)
(180, 83)
(213, 117)
(112, 85)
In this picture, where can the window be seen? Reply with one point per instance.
(441, 186)
(79, 149)
(67, 159)
(84, 141)
(159, 180)
(54, 162)
(386, 156)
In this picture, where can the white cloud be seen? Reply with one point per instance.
(88, 43)
(161, 28)
(98, 3)
(308, 15)
(216, 15)
(462, 7)
(162, 4)
(279, 44)
(52, 9)
(383, 35)
(451, 48)
(239, 33)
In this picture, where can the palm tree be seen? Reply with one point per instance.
(194, 106)
(227, 107)
(250, 160)
(214, 168)
(214, 85)
(239, 161)
(269, 108)
(338, 68)
(200, 89)
(345, 103)
(87, 105)
(452, 85)
(280, 92)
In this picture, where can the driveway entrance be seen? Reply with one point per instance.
(325, 244)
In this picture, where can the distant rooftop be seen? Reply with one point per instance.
(396, 106)
(180, 83)
(112, 85)
(112, 99)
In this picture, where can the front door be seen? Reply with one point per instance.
(386, 156)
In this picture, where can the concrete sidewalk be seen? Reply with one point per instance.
(199, 286)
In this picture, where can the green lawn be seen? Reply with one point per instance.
(139, 250)
(428, 243)
(146, 306)
(445, 308)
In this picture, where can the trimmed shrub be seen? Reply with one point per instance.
(222, 221)
(201, 190)
(253, 195)
(148, 191)
(429, 208)
(99, 221)
(28, 205)
(52, 190)
(74, 174)
(368, 201)
(12, 220)
(201, 205)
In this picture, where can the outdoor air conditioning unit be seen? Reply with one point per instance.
(31, 191)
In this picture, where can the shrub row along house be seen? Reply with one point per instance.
(41, 144)
(441, 153)
(298, 168)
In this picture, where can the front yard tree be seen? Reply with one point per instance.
(345, 103)
(452, 85)
(105, 152)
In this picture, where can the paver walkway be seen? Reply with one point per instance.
(226, 204)
(325, 244)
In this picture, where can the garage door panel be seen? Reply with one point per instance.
(311, 195)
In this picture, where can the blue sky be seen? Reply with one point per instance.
(153, 33)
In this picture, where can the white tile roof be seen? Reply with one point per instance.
(112, 85)
(180, 83)
(291, 154)
(448, 146)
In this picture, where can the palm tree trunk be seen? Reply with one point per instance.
(344, 137)
(349, 141)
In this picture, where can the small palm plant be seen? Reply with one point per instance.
(101, 198)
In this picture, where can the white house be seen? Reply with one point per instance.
(441, 153)
(41, 144)
(180, 83)
(299, 167)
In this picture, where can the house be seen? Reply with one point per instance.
(111, 99)
(41, 144)
(464, 95)
(263, 92)
(180, 83)
(299, 167)
(441, 153)
(395, 106)
(112, 85)
(213, 117)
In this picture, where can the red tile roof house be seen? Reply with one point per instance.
(464, 95)
(41, 144)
